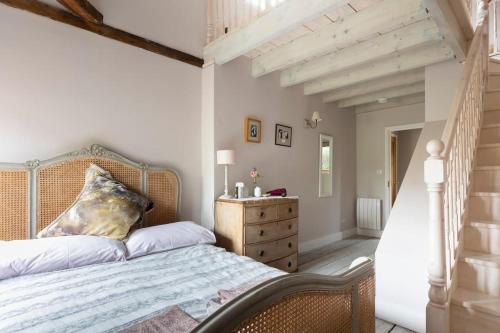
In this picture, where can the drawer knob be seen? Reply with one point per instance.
(261, 233)
(290, 244)
(289, 227)
(290, 210)
(261, 253)
(262, 214)
(289, 264)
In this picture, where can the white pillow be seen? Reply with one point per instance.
(24, 257)
(166, 237)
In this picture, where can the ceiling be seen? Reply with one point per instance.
(179, 24)
(351, 7)
(354, 52)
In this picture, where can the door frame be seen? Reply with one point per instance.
(390, 184)
(387, 175)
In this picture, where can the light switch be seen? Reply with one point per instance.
(379, 172)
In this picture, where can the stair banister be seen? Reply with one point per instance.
(447, 173)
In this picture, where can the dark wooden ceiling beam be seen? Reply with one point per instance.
(60, 15)
(84, 9)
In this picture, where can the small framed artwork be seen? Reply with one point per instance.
(283, 135)
(253, 130)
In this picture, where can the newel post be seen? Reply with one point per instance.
(434, 176)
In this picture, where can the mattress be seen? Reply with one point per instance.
(114, 296)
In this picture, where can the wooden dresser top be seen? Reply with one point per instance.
(264, 201)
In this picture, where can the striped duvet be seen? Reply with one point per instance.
(113, 296)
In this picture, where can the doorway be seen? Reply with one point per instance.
(400, 145)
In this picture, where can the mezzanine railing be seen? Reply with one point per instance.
(224, 16)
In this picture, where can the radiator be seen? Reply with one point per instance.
(369, 213)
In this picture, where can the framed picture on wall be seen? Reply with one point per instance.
(253, 130)
(283, 135)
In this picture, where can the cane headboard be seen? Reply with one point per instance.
(33, 194)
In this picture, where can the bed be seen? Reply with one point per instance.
(118, 296)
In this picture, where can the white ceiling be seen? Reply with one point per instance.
(180, 24)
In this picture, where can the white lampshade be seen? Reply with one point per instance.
(226, 157)
(316, 116)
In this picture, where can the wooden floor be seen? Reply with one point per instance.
(336, 257)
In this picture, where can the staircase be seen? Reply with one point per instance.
(475, 304)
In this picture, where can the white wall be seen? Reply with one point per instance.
(441, 84)
(238, 95)
(62, 88)
(207, 145)
(401, 255)
(370, 146)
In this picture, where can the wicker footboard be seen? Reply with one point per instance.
(302, 303)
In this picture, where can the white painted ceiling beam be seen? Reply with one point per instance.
(371, 86)
(392, 103)
(383, 16)
(388, 44)
(411, 89)
(416, 58)
(444, 16)
(278, 21)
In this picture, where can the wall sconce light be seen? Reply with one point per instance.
(313, 122)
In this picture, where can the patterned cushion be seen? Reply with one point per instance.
(104, 208)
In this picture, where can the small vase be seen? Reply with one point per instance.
(257, 192)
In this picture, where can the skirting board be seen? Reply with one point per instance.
(319, 242)
(369, 232)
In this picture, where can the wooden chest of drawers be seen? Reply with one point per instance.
(263, 229)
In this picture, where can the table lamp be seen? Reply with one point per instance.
(225, 158)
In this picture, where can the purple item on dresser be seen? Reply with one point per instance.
(280, 192)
